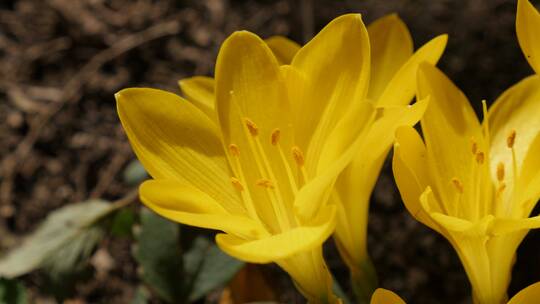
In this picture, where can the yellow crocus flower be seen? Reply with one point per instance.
(529, 295)
(392, 85)
(476, 184)
(528, 32)
(257, 157)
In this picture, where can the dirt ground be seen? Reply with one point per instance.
(61, 61)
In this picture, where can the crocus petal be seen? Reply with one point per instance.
(400, 89)
(528, 189)
(200, 91)
(381, 134)
(249, 85)
(283, 245)
(356, 182)
(448, 126)
(175, 140)
(310, 275)
(410, 171)
(517, 109)
(528, 32)
(530, 294)
(508, 225)
(188, 205)
(252, 102)
(283, 48)
(383, 296)
(391, 46)
(336, 66)
(313, 195)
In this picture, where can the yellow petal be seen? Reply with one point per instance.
(400, 89)
(448, 126)
(187, 205)
(283, 48)
(315, 193)
(382, 132)
(336, 66)
(248, 85)
(506, 225)
(356, 182)
(250, 92)
(528, 33)
(283, 245)
(383, 296)
(529, 295)
(175, 140)
(517, 109)
(310, 275)
(200, 91)
(409, 165)
(528, 189)
(391, 46)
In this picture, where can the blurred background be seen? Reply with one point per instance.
(61, 61)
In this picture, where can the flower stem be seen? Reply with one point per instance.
(364, 281)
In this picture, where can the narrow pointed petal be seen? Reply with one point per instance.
(448, 126)
(391, 46)
(379, 138)
(283, 245)
(383, 296)
(190, 206)
(409, 165)
(517, 109)
(400, 89)
(336, 66)
(200, 91)
(506, 225)
(313, 195)
(530, 294)
(356, 182)
(528, 33)
(175, 140)
(283, 48)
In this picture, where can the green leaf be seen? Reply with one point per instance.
(66, 237)
(158, 253)
(134, 173)
(123, 222)
(12, 292)
(208, 268)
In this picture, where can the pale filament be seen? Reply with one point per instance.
(275, 142)
(240, 181)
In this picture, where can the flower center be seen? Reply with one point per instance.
(267, 177)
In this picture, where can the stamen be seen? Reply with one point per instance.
(252, 127)
(480, 157)
(298, 156)
(511, 139)
(501, 188)
(275, 136)
(234, 149)
(458, 184)
(266, 183)
(500, 172)
(237, 184)
(474, 146)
